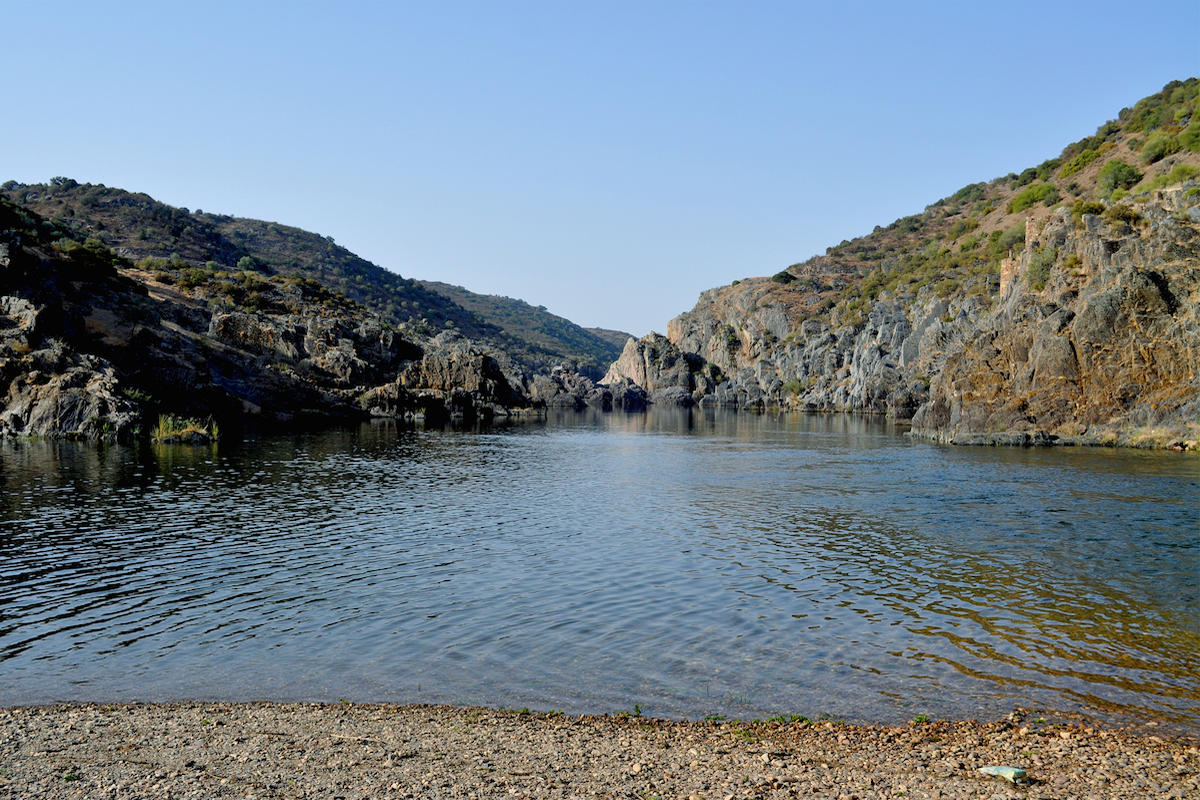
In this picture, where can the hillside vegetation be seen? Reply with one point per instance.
(956, 245)
(227, 256)
(537, 328)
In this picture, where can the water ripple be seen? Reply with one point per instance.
(693, 564)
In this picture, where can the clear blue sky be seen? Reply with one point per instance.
(607, 160)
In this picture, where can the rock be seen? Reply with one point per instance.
(1108, 352)
(60, 393)
(654, 363)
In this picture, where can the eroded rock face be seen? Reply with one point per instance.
(452, 366)
(1107, 351)
(654, 363)
(57, 392)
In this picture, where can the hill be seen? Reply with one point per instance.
(1059, 302)
(94, 346)
(540, 330)
(180, 245)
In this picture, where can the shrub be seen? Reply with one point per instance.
(1039, 267)
(1190, 138)
(1079, 162)
(969, 193)
(1181, 173)
(1007, 240)
(1047, 167)
(1159, 146)
(1122, 213)
(1035, 193)
(961, 227)
(784, 277)
(1116, 174)
(1085, 207)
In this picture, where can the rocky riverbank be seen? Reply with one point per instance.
(359, 751)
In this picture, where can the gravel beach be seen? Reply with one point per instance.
(262, 750)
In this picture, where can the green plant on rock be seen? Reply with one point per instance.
(1122, 213)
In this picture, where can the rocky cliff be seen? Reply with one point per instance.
(1091, 336)
(1058, 305)
(91, 347)
(1107, 351)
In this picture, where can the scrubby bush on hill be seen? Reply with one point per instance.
(1114, 175)
(1159, 146)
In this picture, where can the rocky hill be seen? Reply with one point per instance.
(177, 244)
(1054, 305)
(94, 346)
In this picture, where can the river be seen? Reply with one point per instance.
(677, 563)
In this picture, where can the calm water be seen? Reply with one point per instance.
(693, 564)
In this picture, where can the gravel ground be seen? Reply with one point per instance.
(350, 751)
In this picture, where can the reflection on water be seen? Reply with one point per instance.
(692, 563)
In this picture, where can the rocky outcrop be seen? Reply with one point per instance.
(57, 392)
(91, 348)
(1089, 335)
(1107, 352)
(669, 375)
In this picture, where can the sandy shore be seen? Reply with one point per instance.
(350, 751)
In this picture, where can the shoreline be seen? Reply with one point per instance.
(351, 750)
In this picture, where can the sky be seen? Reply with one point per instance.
(607, 160)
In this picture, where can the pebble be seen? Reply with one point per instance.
(355, 752)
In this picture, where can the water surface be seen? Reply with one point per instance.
(693, 564)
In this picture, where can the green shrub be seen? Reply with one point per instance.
(1039, 267)
(1079, 162)
(784, 277)
(1159, 146)
(1190, 138)
(1085, 207)
(969, 193)
(1026, 177)
(961, 227)
(1122, 213)
(1035, 193)
(1003, 241)
(1181, 173)
(1116, 174)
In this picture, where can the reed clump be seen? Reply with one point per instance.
(172, 429)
